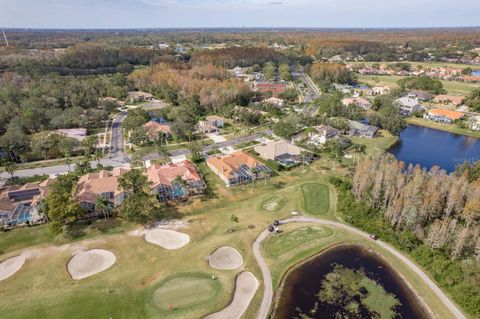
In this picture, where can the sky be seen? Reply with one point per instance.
(238, 13)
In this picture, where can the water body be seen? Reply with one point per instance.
(303, 283)
(429, 147)
(476, 72)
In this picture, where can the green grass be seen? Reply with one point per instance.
(316, 198)
(185, 291)
(378, 145)
(452, 128)
(286, 242)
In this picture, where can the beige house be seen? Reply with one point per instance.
(139, 96)
(154, 129)
(282, 151)
(449, 99)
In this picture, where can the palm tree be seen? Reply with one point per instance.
(10, 167)
(68, 159)
(255, 172)
(303, 154)
(103, 204)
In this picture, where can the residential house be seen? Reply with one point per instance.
(283, 152)
(358, 102)
(204, 127)
(163, 46)
(139, 96)
(449, 99)
(323, 134)
(408, 104)
(362, 130)
(156, 130)
(215, 120)
(20, 206)
(102, 184)
(276, 89)
(274, 101)
(443, 115)
(77, 133)
(378, 90)
(175, 180)
(474, 123)
(238, 168)
(343, 88)
(421, 95)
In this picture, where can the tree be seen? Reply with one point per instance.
(10, 167)
(141, 208)
(421, 83)
(138, 136)
(473, 100)
(104, 205)
(233, 219)
(133, 181)
(195, 151)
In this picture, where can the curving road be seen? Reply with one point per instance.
(266, 304)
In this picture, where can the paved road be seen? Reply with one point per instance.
(116, 157)
(266, 304)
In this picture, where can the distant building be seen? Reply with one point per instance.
(358, 102)
(155, 130)
(474, 123)
(102, 184)
(378, 90)
(77, 133)
(215, 120)
(408, 104)
(343, 88)
(238, 168)
(449, 99)
(362, 130)
(175, 181)
(283, 152)
(421, 95)
(139, 96)
(443, 116)
(163, 46)
(274, 101)
(276, 89)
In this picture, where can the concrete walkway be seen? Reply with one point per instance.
(266, 304)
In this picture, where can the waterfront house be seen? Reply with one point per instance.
(362, 130)
(175, 180)
(408, 104)
(238, 168)
(323, 134)
(443, 115)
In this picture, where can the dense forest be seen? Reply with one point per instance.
(236, 56)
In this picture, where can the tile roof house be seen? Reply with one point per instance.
(139, 96)
(238, 168)
(378, 90)
(175, 180)
(408, 104)
(102, 184)
(443, 115)
(449, 99)
(21, 205)
(154, 129)
(282, 151)
(358, 102)
(421, 95)
(362, 130)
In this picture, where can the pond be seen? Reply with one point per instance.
(476, 72)
(429, 147)
(309, 289)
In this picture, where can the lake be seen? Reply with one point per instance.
(476, 72)
(302, 284)
(429, 147)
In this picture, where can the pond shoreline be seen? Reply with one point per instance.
(450, 128)
(415, 299)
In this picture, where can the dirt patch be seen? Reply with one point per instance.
(10, 266)
(245, 288)
(88, 263)
(225, 258)
(167, 238)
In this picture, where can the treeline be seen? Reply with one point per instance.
(236, 56)
(328, 73)
(442, 210)
(424, 83)
(176, 82)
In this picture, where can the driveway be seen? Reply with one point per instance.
(266, 304)
(216, 138)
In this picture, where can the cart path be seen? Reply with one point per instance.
(266, 304)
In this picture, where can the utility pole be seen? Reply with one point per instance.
(5, 37)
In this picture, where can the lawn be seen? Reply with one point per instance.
(378, 145)
(452, 128)
(316, 198)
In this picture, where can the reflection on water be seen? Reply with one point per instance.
(303, 295)
(429, 147)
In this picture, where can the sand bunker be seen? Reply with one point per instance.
(90, 262)
(10, 266)
(246, 286)
(225, 258)
(167, 238)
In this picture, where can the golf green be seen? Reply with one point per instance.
(185, 292)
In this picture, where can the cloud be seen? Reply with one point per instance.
(275, 3)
